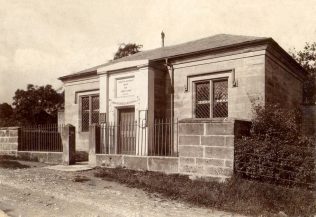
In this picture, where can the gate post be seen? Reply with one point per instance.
(69, 144)
(94, 139)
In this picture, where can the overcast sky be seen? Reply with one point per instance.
(41, 40)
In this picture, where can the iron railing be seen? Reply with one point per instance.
(158, 138)
(41, 138)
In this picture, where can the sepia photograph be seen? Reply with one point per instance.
(154, 108)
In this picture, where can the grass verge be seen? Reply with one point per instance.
(234, 195)
(79, 178)
(10, 162)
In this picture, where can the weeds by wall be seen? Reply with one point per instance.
(275, 151)
(233, 195)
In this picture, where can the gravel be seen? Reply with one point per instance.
(38, 191)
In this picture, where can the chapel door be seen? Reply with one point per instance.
(126, 131)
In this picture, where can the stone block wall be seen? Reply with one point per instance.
(283, 83)
(74, 89)
(206, 150)
(146, 163)
(61, 117)
(40, 156)
(206, 147)
(9, 140)
(309, 120)
(249, 68)
(162, 94)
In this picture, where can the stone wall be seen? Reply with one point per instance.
(309, 120)
(249, 68)
(162, 94)
(206, 147)
(61, 117)
(9, 140)
(9, 143)
(40, 156)
(149, 163)
(283, 85)
(73, 90)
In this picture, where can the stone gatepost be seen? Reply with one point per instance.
(69, 144)
(94, 138)
(206, 146)
(10, 140)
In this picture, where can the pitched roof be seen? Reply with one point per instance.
(204, 44)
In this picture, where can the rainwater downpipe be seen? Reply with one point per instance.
(171, 72)
(174, 138)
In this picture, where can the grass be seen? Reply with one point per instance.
(22, 157)
(79, 178)
(234, 195)
(10, 162)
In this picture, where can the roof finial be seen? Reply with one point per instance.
(162, 39)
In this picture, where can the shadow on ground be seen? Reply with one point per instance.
(9, 162)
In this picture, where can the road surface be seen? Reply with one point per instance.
(38, 191)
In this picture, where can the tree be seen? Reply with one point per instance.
(307, 59)
(37, 105)
(127, 50)
(6, 115)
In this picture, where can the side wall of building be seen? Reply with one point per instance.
(246, 65)
(162, 93)
(283, 85)
(309, 120)
(73, 90)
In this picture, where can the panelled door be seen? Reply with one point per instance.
(126, 131)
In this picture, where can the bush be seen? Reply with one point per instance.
(276, 151)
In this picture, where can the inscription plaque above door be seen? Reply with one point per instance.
(125, 87)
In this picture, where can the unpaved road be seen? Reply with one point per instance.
(38, 191)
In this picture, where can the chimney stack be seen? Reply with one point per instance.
(162, 39)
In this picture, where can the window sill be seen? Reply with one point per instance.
(207, 120)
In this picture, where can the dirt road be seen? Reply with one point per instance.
(38, 191)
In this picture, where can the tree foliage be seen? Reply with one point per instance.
(127, 50)
(6, 115)
(307, 59)
(37, 105)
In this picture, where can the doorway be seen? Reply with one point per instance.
(126, 131)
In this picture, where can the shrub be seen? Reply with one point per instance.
(276, 151)
(275, 122)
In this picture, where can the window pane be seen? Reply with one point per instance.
(203, 91)
(202, 111)
(220, 99)
(95, 109)
(85, 114)
(202, 100)
(85, 121)
(85, 103)
(95, 103)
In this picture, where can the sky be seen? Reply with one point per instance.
(43, 40)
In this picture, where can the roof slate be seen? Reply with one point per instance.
(209, 43)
